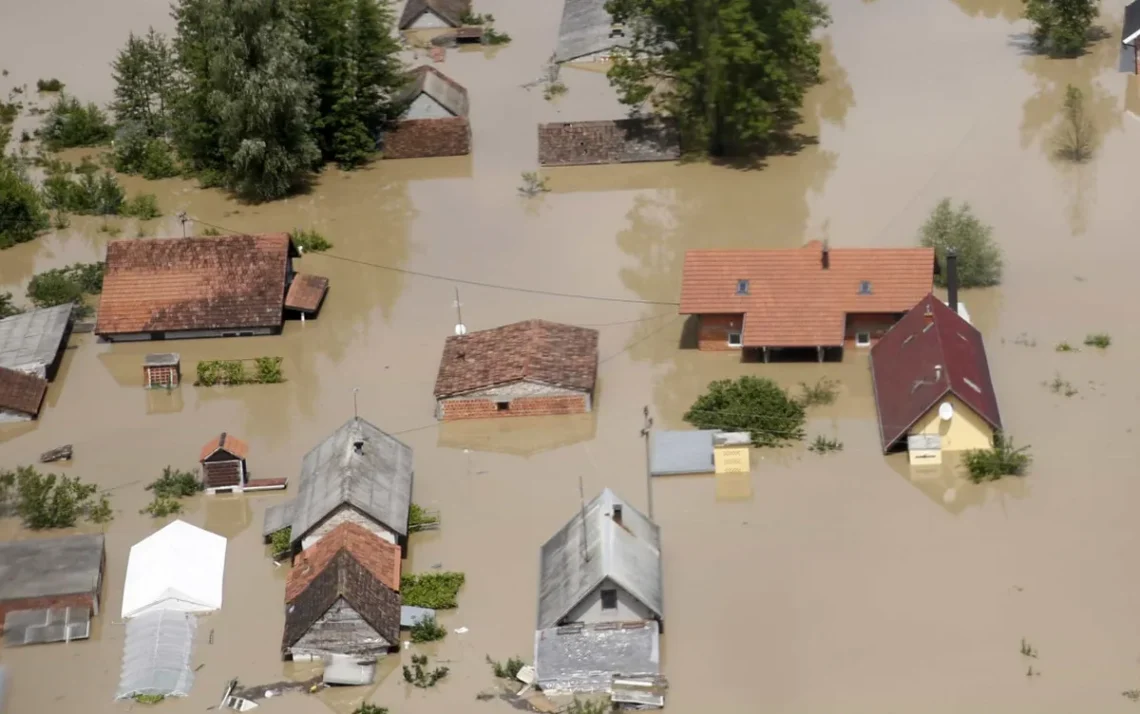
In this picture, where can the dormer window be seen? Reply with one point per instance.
(741, 287)
(865, 287)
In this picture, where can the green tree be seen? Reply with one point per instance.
(22, 213)
(732, 72)
(8, 308)
(146, 83)
(979, 257)
(1061, 27)
(753, 404)
(137, 153)
(69, 123)
(51, 501)
(355, 64)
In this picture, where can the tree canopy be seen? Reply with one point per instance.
(146, 83)
(22, 214)
(732, 72)
(979, 257)
(1061, 27)
(753, 404)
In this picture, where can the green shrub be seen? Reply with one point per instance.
(136, 153)
(426, 629)
(162, 507)
(7, 307)
(9, 111)
(143, 207)
(1001, 460)
(369, 709)
(823, 391)
(69, 124)
(211, 232)
(753, 404)
(51, 501)
(281, 542)
(60, 286)
(22, 214)
(88, 194)
(508, 669)
(1061, 27)
(309, 240)
(268, 370)
(419, 676)
(175, 484)
(980, 259)
(1100, 340)
(1064, 347)
(418, 518)
(435, 590)
(825, 445)
(49, 85)
(554, 90)
(589, 706)
(148, 698)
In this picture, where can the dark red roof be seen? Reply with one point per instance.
(904, 366)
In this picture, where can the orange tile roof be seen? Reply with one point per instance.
(306, 292)
(792, 300)
(237, 447)
(167, 284)
(378, 556)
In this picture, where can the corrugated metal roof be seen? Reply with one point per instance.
(33, 338)
(681, 452)
(585, 658)
(428, 80)
(161, 359)
(277, 517)
(585, 30)
(410, 614)
(573, 564)
(361, 466)
(62, 624)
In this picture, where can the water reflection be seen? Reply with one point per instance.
(1010, 10)
(946, 486)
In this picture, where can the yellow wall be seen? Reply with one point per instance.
(731, 459)
(966, 430)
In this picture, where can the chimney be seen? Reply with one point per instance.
(617, 513)
(825, 256)
(937, 373)
(928, 316)
(952, 279)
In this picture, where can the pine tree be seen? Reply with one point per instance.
(146, 83)
(732, 72)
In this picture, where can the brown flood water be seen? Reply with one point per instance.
(841, 584)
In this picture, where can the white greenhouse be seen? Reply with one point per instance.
(180, 567)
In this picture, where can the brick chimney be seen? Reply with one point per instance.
(825, 256)
(928, 316)
(952, 279)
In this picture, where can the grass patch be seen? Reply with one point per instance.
(309, 240)
(1003, 459)
(1100, 340)
(426, 629)
(506, 670)
(420, 676)
(825, 391)
(825, 445)
(434, 590)
(554, 90)
(148, 698)
(266, 370)
(1059, 385)
(1065, 347)
(49, 85)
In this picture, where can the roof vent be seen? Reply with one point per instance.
(358, 446)
(865, 287)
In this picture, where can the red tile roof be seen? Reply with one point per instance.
(539, 351)
(228, 443)
(21, 392)
(376, 555)
(904, 370)
(306, 292)
(168, 284)
(792, 300)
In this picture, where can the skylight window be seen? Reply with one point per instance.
(741, 287)
(865, 287)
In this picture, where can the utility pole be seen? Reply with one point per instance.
(648, 468)
(182, 218)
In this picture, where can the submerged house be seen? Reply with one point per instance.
(1130, 38)
(815, 297)
(433, 14)
(342, 597)
(588, 33)
(620, 141)
(434, 119)
(360, 475)
(932, 384)
(531, 368)
(182, 288)
(34, 341)
(21, 395)
(52, 573)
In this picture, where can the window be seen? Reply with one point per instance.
(503, 406)
(865, 287)
(609, 599)
(862, 339)
(741, 287)
(734, 339)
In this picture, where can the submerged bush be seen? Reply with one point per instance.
(426, 629)
(1001, 460)
(49, 85)
(437, 591)
(69, 124)
(143, 206)
(60, 286)
(281, 542)
(22, 214)
(508, 669)
(136, 153)
(309, 240)
(51, 501)
(753, 404)
(87, 195)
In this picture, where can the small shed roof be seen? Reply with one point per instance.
(357, 465)
(428, 80)
(585, 30)
(450, 11)
(378, 556)
(161, 359)
(180, 567)
(224, 442)
(410, 615)
(33, 627)
(306, 293)
(616, 141)
(585, 658)
(46, 567)
(591, 548)
(930, 353)
(681, 452)
(33, 338)
(536, 350)
(21, 392)
(277, 517)
(1131, 30)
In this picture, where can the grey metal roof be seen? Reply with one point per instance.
(585, 658)
(410, 614)
(681, 452)
(428, 80)
(61, 624)
(277, 517)
(572, 566)
(450, 11)
(50, 566)
(161, 359)
(585, 29)
(33, 337)
(361, 466)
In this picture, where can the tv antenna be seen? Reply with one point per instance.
(460, 328)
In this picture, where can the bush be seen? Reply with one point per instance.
(369, 709)
(60, 286)
(1001, 460)
(143, 207)
(281, 542)
(51, 501)
(426, 629)
(162, 507)
(753, 404)
(822, 392)
(175, 484)
(508, 669)
(419, 676)
(435, 590)
(1061, 27)
(1064, 347)
(309, 240)
(418, 518)
(70, 124)
(7, 307)
(267, 370)
(22, 214)
(825, 445)
(979, 257)
(589, 706)
(49, 85)
(136, 153)
(553, 90)
(1099, 339)
(9, 111)
(148, 698)
(533, 183)
(87, 195)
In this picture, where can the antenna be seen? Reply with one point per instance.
(355, 412)
(582, 500)
(460, 328)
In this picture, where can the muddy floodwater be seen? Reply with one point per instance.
(836, 583)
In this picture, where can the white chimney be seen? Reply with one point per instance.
(937, 373)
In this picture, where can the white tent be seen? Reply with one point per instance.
(178, 568)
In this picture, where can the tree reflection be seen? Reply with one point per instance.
(1005, 9)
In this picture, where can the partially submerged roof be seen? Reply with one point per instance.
(450, 11)
(180, 567)
(789, 299)
(929, 354)
(277, 517)
(681, 452)
(156, 655)
(573, 564)
(33, 338)
(59, 624)
(586, 28)
(227, 443)
(47, 567)
(585, 658)
(357, 465)
(171, 284)
(21, 392)
(617, 141)
(535, 351)
(161, 359)
(378, 556)
(1131, 30)
(428, 80)
(306, 293)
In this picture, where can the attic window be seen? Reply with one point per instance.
(609, 600)
(973, 386)
(865, 287)
(741, 287)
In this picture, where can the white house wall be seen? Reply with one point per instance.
(346, 514)
(428, 21)
(425, 107)
(590, 609)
